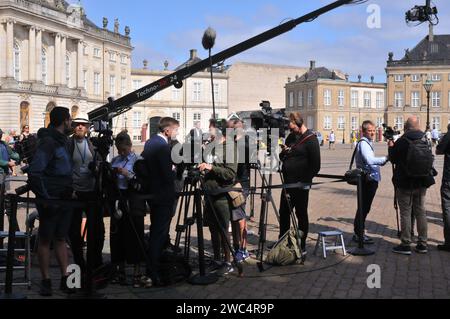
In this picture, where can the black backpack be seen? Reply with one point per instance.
(420, 159)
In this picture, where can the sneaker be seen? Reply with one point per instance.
(246, 254)
(403, 250)
(46, 288)
(226, 269)
(444, 247)
(421, 249)
(64, 288)
(240, 256)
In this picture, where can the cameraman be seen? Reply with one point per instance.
(301, 163)
(50, 177)
(82, 153)
(413, 160)
(220, 174)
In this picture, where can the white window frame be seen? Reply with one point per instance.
(436, 99)
(85, 79)
(327, 122)
(380, 100)
(436, 122)
(44, 66)
(112, 56)
(310, 97)
(112, 85)
(399, 122)
(97, 52)
(341, 122)
(436, 77)
(291, 99)
(176, 116)
(327, 97)
(68, 66)
(367, 99)
(355, 99)
(301, 100)
(341, 98)
(399, 99)
(354, 123)
(415, 99)
(197, 117)
(197, 91)
(175, 94)
(137, 120)
(96, 83)
(399, 78)
(17, 62)
(123, 59)
(380, 122)
(415, 77)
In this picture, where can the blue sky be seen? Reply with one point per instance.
(163, 30)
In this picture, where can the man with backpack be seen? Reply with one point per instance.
(413, 174)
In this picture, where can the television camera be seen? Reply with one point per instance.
(421, 14)
(268, 119)
(389, 132)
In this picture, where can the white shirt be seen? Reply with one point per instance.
(165, 138)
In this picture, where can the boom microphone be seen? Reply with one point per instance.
(209, 38)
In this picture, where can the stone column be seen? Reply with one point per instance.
(38, 66)
(63, 59)
(32, 54)
(80, 69)
(58, 66)
(10, 49)
(3, 52)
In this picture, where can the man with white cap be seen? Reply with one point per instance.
(82, 152)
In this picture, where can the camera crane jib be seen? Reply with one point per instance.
(122, 105)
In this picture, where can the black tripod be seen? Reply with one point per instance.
(191, 188)
(183, 212)
(266, 196)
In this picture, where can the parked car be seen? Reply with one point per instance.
(319, 137)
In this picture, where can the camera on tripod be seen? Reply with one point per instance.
(268, 119)
(389, 133)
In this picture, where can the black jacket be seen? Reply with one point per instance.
(303, 162)
(444, 149)
(50, 173)
(157, 155)
(398, 155)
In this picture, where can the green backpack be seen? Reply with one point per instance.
(286, 251)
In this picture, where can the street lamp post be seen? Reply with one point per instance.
(428, 87)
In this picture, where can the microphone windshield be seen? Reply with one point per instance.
(209, 38)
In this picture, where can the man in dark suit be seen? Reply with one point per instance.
(157, 154)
